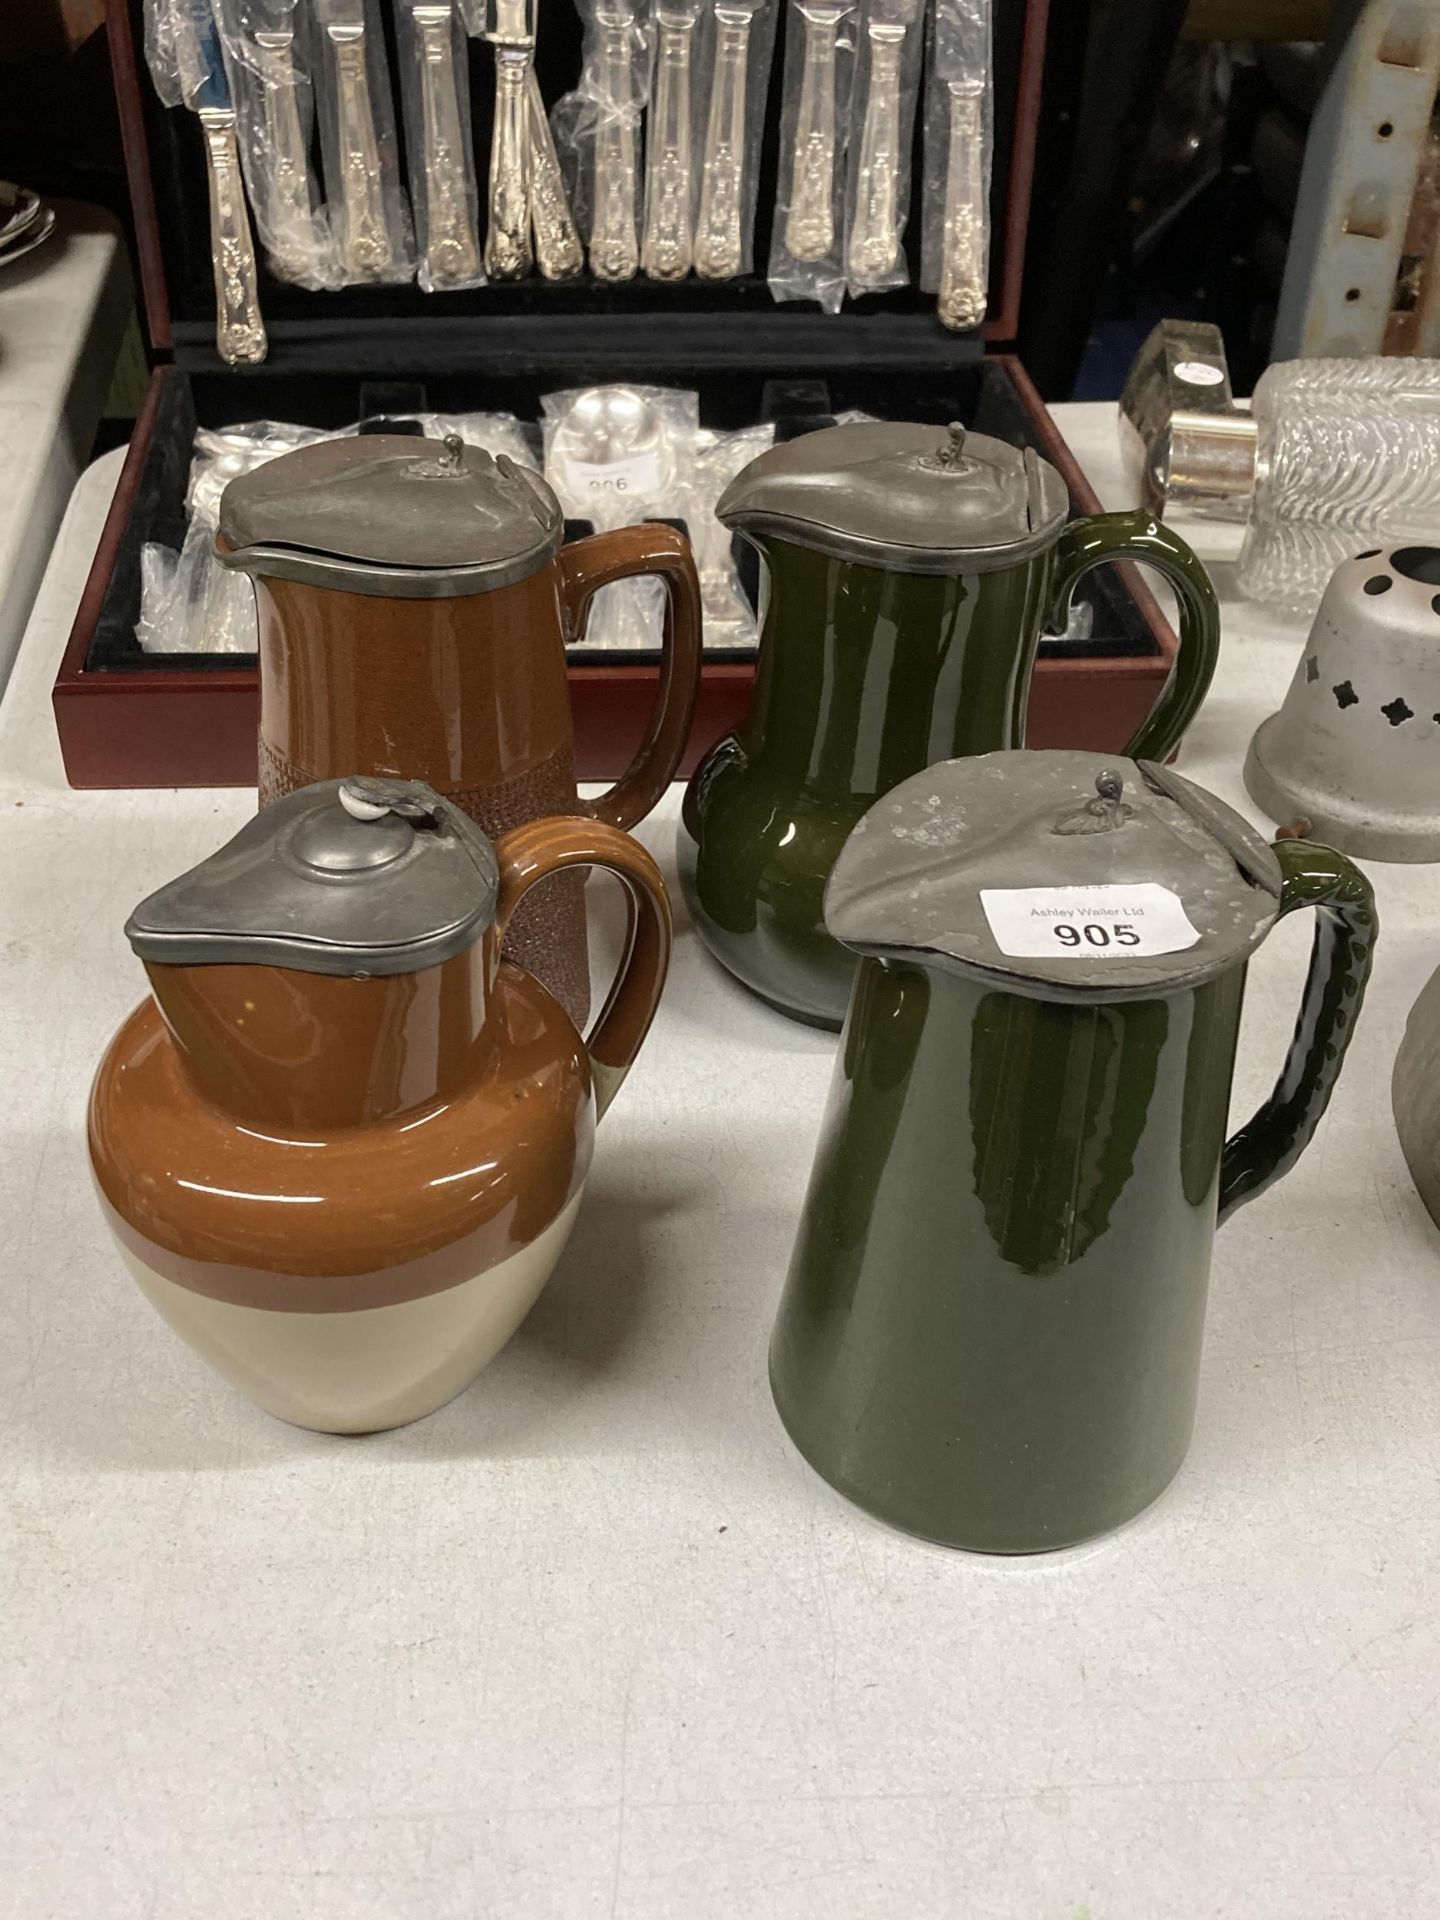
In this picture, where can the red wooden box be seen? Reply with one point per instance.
(128, 719)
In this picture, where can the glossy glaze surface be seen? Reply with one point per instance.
(287, 1142)
(865, 677)
(470, 695)
(319, 1203)
(990, 1334)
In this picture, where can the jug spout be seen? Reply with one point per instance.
(281, 1048)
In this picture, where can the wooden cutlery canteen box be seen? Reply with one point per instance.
(130, 719)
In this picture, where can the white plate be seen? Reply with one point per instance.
(34, 236)
(19, 209)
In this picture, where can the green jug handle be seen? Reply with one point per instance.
(1138, 535)
(1345, 930)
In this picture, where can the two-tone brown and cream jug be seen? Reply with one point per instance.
(343, 1144)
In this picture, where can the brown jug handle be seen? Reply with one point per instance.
(585, 567)
(527, 854)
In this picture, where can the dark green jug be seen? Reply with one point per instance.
(909, 573)
(990, 1334)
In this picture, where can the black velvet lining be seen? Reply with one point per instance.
(978, 392)
(652, 341)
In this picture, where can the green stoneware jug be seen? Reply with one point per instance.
(910, 570)
(990, 1334)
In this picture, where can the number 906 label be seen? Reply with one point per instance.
(1087, 923)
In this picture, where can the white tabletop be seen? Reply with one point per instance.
(63, 312)
(593, 1640)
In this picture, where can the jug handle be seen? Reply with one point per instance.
(1345, 930)
(1138, 535)
(541, 847)
(625, 554)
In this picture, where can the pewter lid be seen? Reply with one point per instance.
(352, 877)
(909, 879)
(918, 499)
(388, 514)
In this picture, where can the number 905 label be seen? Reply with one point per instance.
(1120, 933)
(1087, 923)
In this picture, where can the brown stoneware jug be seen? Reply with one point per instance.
(342, 1146)
(414, 605)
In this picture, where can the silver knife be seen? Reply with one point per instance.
(668, 246)
(719, 238)
(450, 242)
(962, 66)
(558, 251)
(614, 243)
(367, 250)
(559, 254)
(511, 32)
(240, 336)
(288, 217)
(874, 241)
(810, 220)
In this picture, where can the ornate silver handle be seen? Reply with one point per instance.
(292, 237)
(874, 230)
(239, 331)
(614, 246)
(963, 295)
(507, 241)
(668, 247)
(366, 246)
(452, 246)
(810, 222)
(558, 252)
(718, 240)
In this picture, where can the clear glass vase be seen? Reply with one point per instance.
(1348, 457)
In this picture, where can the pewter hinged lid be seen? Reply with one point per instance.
(391, 515)
(909, 880)
(352, 877)
(916, 499)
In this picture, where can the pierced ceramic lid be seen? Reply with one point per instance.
(352, 877)
(387, 514)
(1073, 876)
(916, 499)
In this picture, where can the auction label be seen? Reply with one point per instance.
(633, 473)
(1087, 923)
